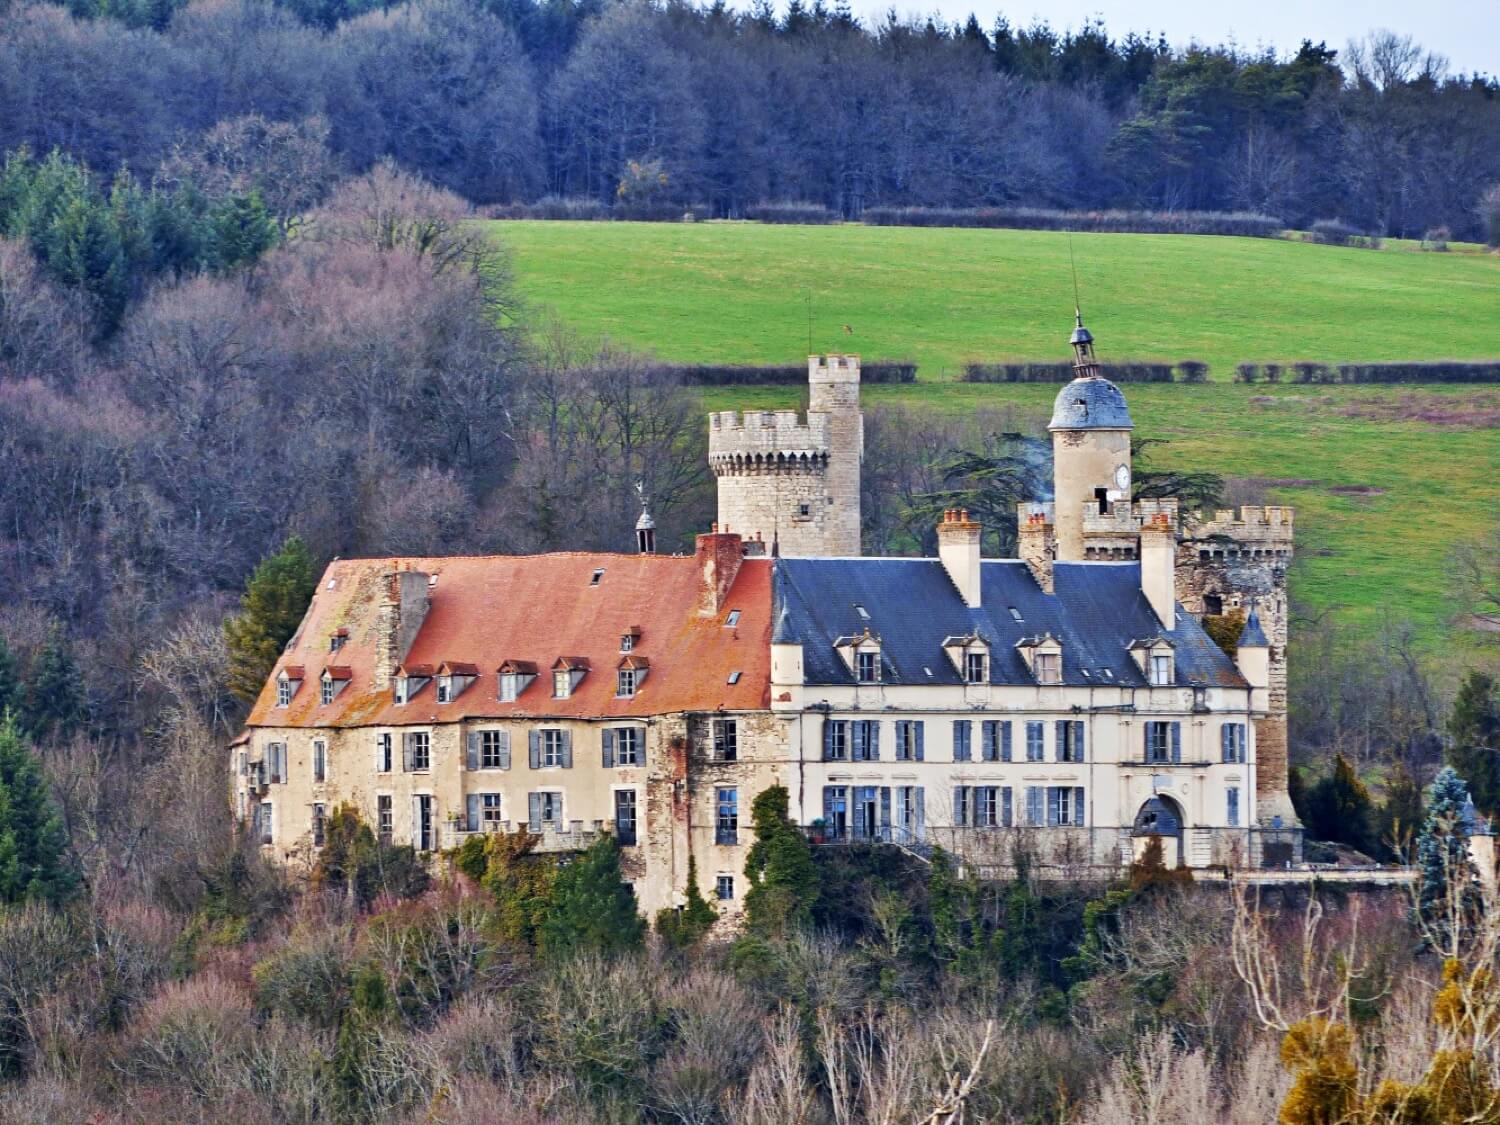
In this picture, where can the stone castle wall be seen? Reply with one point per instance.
(1239, 561)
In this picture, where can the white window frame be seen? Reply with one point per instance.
(490, 743)
(445, 689)
(1161, 669)
(627, 642)
(976, 667)
(625, 683)
(284, 692)
(327, 691)
(724, 887)
(867, 666)
(633, 737)
(562, 684)
(1049, 667)
(551, 748)
(510, 687)
(725, 734)
(319, 761)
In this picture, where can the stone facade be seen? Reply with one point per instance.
(791, 480)
(676, 790)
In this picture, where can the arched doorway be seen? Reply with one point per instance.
(1160, 817)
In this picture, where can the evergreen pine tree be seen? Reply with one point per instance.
(1447, 890)
(54, 703)
(243, 230)
(34, 862)
(1474, 733)
(593, 908)
(272, 608)
(783, 877)
(685, 927)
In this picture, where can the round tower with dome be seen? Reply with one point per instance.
(1090, 448)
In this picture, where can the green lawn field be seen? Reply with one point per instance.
(739, 292)
(1385, 480)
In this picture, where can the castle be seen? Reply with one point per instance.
(1069, 704)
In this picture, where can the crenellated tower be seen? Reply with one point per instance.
(793, 480)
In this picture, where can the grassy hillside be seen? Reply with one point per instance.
(734, 292)
(1385, 480)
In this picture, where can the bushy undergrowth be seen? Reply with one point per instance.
(1439, 371)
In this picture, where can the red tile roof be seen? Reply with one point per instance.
(457, 668)
(294, 672)
(525, 612)
(339, 672)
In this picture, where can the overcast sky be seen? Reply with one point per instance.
(1466, 31)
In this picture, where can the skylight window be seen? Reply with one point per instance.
(598, 574)
(862, 611)
(734, 677)
(733, 619)
(1016, 613)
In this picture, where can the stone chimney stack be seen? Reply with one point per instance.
(399, 616)
(1036, 544)
(958, 548)
(719, 555)
(1159, 568)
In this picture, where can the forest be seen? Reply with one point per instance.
(658, 108)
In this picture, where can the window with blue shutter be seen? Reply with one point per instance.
(607, 738)
(471, 803)
(471, 756)
(835, 740)
(1036, 741)
(1035, 811)
(1176, 742)
(961, 814)
(963, 740)
(1006, 816)
(1232, 796)
(534, 751)
(921, 740)
(1054, 806)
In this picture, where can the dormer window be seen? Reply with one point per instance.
(339, 638)
(630, 638)
(453, 678)
(287, 684)
(567, 674)
(515, 676)
(975, 668)
(630, 673)
(970, 657)
(332, 682)
(1161, 670)
(1154, 657)
(1043, 655)
(410, 679)
(861, 655)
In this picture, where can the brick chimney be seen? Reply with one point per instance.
(403, 608)
(958, 549)
(1036, 544)
(1159, 568)
(719, 555)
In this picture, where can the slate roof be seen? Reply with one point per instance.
(1090, 402)
(528, 611)
(1252, 633)
(1096, 611)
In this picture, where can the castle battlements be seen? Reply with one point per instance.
(767, 439)
(1259, 531)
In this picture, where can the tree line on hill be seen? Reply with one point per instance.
(658, 107)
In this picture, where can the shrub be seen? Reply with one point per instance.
(1337, 232)
(1436, 238)
(791, 212)
(790, 374)
(307, 978)
(783, 879)
(1234, 223)
(681, 928)
(354, 863)
(1063, 372)
(191, 1035)
(1193, 371)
